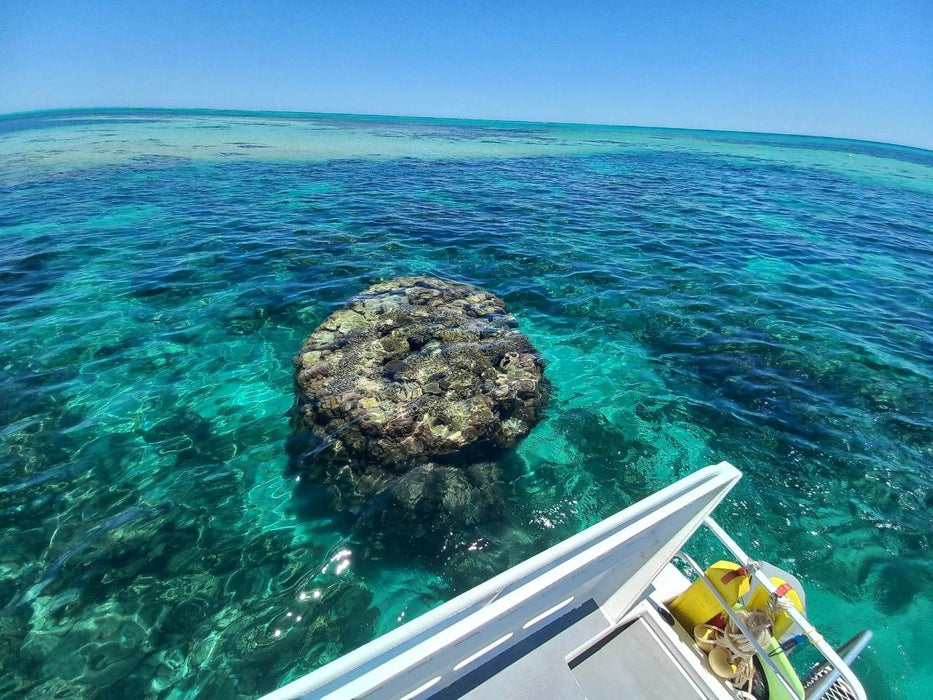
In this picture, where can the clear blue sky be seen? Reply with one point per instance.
(854, 68)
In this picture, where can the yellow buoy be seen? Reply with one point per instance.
(760, 599)
(720, 661)
(705, 635)
(697, 604)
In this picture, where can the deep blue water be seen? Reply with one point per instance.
(766, 300)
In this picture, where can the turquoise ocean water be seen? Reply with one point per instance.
(699, 296)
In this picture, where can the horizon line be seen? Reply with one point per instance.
(374, 115)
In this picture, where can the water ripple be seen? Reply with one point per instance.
(766, 300)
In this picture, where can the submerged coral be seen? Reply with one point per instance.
(416, 372)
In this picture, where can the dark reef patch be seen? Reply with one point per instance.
(405, 395)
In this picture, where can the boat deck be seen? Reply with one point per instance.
(535, 667)
(631, 664)
(583, 654)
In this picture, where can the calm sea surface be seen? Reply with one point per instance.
(699, 296)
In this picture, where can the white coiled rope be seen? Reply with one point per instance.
(740, 650)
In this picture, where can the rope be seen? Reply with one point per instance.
(758, 623)
(780, 603)
(739, 649)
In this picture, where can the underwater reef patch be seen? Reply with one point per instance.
(418, 377)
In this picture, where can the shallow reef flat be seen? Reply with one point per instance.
(698, 296)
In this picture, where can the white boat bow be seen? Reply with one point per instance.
(583, 619)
